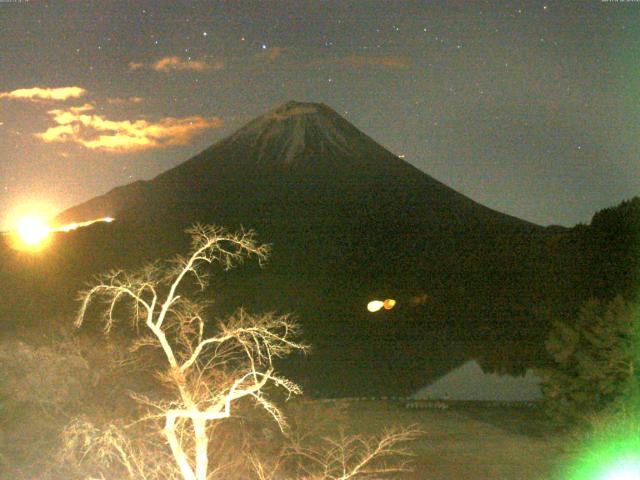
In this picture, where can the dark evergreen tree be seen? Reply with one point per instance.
(595, 361)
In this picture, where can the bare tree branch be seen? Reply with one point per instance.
(210, 373)
(213, 366)
(347, 458)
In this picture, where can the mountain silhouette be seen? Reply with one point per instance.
(349, 221)
(328, 197)
(301, 156)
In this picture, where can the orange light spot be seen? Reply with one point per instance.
(389, 303)
(377, 305)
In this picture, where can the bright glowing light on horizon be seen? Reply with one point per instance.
(32, 232)
(76, 225)
(377, 305)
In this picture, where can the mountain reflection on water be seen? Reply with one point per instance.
(470, 383)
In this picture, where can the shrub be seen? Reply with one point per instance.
(595, 361)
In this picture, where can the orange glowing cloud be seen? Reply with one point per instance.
(37, 93)
(395, 62)
(389, 62)
(168, 64)
(135, 65)
(123, 101)
(96, 132)
(175, 63)
(272, 53)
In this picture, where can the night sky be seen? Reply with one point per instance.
(530, 108)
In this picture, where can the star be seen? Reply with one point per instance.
(204, 34)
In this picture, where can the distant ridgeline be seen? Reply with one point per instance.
(613, 248)
(598, 260)
(349, 222)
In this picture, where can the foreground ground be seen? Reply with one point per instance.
(466, 441)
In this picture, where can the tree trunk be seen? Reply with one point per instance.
(202, 444)
(176, 448)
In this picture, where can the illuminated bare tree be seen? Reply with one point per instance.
(357, 457)
(209, 367)
(350, 457)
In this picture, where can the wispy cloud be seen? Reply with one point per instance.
(96, 132)
(175, 63)
(39, 93)
(391, 61)
(272, 53)
(135, 65)
(382, 61)
(123, 101)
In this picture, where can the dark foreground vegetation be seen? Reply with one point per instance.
(64, 390)
(203, 376)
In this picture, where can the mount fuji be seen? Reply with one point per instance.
(349, 222)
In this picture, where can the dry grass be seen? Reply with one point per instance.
(469, 442)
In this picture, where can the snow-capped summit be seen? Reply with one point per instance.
(297, 129)
(302, 131)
